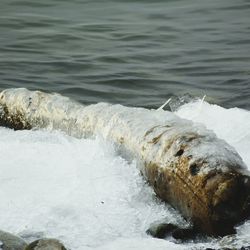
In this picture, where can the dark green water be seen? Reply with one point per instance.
(137, 53)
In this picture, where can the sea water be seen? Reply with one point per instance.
(132, 52)
(82, 192)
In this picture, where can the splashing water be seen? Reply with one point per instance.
(83, 193)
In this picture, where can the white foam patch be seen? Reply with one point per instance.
(76, 190)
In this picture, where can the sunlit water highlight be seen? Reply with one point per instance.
(84, 193)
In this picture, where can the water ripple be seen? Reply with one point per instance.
(131, 52)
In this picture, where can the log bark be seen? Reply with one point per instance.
(187, 165)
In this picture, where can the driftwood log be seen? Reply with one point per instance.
(187, 165)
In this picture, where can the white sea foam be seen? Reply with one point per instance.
(77, 190)
(83, 193)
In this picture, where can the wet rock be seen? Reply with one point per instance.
(9, 241)
(184, 233)
(161, 230)
(46, 244)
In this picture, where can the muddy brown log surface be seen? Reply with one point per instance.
(215, 201)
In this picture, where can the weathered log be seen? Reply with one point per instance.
(187, 165)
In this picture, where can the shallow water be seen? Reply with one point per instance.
(83, 193)
(137, 53)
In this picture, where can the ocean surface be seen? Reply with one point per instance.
(136, 53)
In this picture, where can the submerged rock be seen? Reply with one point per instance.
(9, 241)
(184, 234)
(161, 230)
(46, 244)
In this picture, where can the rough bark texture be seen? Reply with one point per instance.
(15, 121)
